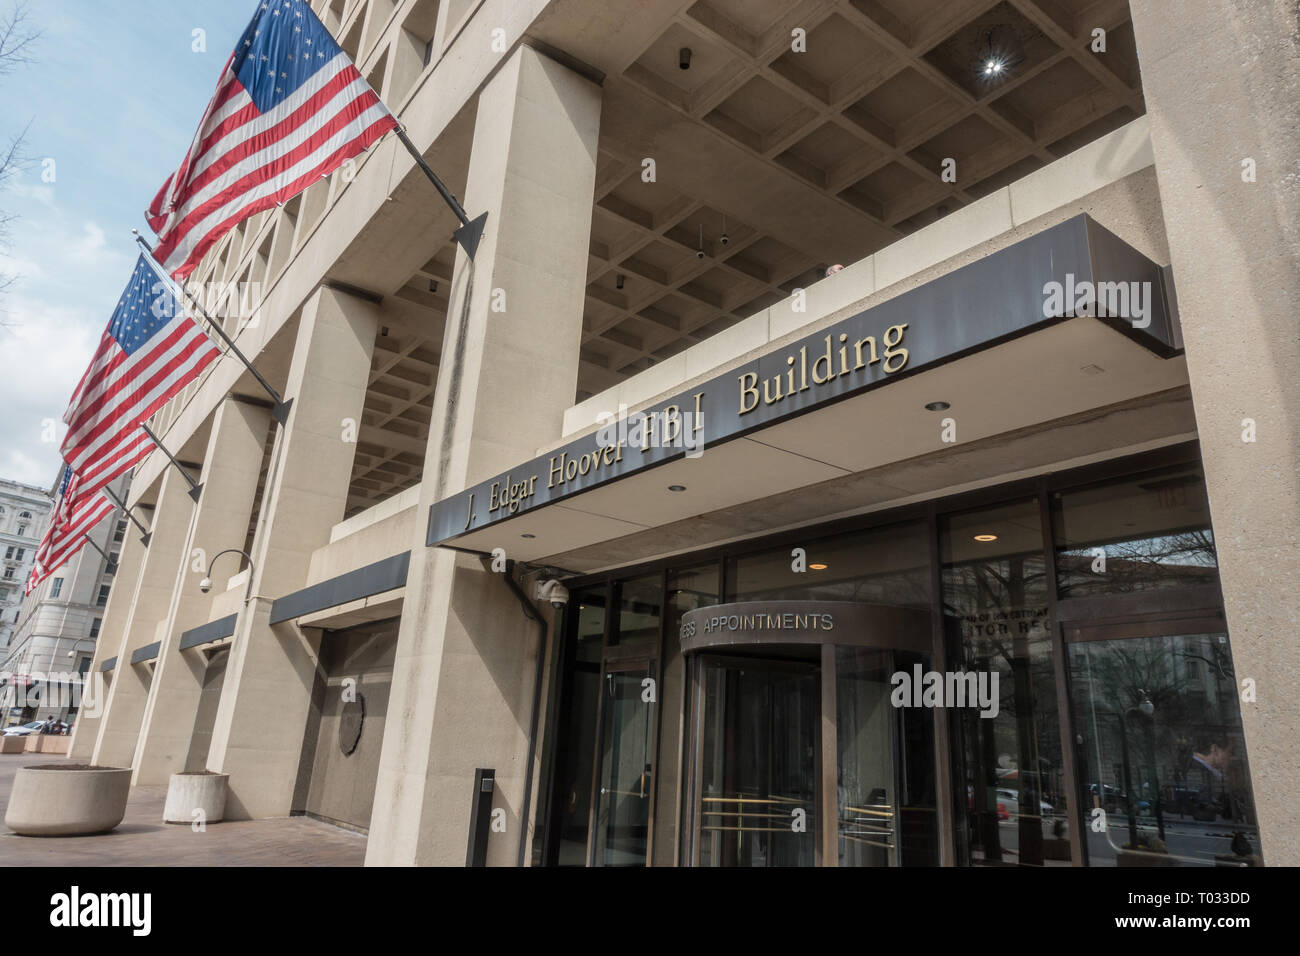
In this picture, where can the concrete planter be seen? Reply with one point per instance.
(13, 744)
(67, 800)
(187, 792)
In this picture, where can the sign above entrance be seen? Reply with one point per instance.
(752, 623)
(1073, 269)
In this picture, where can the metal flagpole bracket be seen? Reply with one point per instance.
(281, 411)
(145, 535)
(470, 231)
(196, 489)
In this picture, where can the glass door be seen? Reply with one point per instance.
(621, 806)
(759, 763)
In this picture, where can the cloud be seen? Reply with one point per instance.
(45, 349)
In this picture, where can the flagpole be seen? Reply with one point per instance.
(470, 231)
(145, 534)
(281, 411)
(112, 565)
(195, 489)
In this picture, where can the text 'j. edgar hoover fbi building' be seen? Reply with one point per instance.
(651, 536)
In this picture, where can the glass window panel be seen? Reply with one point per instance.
(639, 602)
(868, 833)
(996, 620)
(1153, 531)
(1162, 759)
(688, 589)
(889, 565)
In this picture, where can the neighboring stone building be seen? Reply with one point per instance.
(49, 655)
(23, 513)
(933, 460)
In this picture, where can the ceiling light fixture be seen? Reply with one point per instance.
(684, 58)
(676, 487)
(817, 567)
(618, 281)
(527, 535)
(986, 537)
(699, 253)
(937, 406)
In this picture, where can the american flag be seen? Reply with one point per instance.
(289, 108)
(149, 352)
(75, 514)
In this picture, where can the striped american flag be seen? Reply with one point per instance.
(149, 352)
(74, 516)
(290, 107)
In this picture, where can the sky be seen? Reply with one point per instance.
(110, 104)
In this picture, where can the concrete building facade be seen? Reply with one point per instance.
(636, 539)
(57, 627)
(23, 513)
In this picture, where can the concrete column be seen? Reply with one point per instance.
(119, 728)
(462, 681)
(266, 696)
(1222, 81)
(231, 466)
(112, 628)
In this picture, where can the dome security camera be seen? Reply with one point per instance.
(205, 585)
(553, 591)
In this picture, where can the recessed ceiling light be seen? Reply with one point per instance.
(937, 406)
(986, 537)
(527, 535)
(817, 567)
(676, 487)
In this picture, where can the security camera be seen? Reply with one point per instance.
(553, 591)
(205, 585)
(699, 253)
(724, 238)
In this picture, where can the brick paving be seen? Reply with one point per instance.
(142, 839)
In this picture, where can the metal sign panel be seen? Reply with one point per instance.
(1072, 269)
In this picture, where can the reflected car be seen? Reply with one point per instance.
(23, 730)
(1012, 800)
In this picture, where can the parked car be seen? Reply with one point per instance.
(23, 730)
(1012, 800)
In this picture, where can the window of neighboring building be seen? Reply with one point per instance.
(22, 530)
(83, 665)
(18, 555)
(112, 564)
(9, 553)
(27, 515)
(9, 574)
(56, 587)
(94, 628)
(120, 531)
(103, 594)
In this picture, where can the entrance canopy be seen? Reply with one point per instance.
(1067, 320)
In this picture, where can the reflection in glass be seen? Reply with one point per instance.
(626, 778)
(888, 565)
(758, 768)
(1152, 530)
(688, 589)
(638, 610)
(865, 733)
(996, 622)
(1162, 759)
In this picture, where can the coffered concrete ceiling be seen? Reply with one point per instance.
(800, 159)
